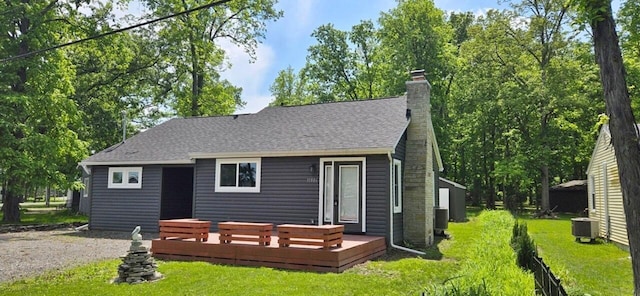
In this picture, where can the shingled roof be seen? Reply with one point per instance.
(342, 128)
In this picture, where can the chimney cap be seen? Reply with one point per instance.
(417, 75)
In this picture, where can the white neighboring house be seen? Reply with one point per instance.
(605, 192)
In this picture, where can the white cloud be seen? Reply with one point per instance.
(298, 18)
(251, 76)
(302, 12)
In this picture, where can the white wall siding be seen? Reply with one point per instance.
(604, 158)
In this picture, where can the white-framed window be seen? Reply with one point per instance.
(397, 186)
(85, 191)
(238, 175)
(125, 177)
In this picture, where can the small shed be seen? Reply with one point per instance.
(569, 197)
(452, 196)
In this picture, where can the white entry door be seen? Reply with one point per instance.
(342, 195)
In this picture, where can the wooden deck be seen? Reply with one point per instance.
(355, 249)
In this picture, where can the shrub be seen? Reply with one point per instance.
(523, 245)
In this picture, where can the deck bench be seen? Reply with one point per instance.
(185, 228)
(325, 236)
(245, 231)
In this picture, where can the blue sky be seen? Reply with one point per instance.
(287, 39)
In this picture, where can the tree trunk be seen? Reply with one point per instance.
(11, 207)
(47, 197)
(545, 188)
(476, 193)
(195, 79)
(624, 133)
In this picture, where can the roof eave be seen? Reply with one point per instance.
(402, 133)
(137, 162)
(452, 183)
(329, 152)
(436, 149)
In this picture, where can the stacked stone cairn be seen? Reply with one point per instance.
(137, 266)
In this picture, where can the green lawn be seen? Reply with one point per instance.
(596, 269)
(38, 213)
(477, 252)
(398, 274)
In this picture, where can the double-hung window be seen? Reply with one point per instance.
(238, 175)
(125, 177)
(397, 186)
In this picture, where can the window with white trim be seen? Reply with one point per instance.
(125, 177)
(238, 175)
(85, 191)
(397, 186)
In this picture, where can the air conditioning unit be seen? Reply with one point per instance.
(584, 228)
(441, 220)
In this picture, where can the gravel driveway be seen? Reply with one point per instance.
(29, 253)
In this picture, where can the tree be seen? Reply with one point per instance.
(290, 89)
(629, 18)
(188, 73)
(622, 123)
(114, 74)
(415, 35)
(496, 105)
(330, 63)
(344, 65)
(543, 41)
(38, 119)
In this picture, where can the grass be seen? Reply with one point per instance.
(477, 253)
(596, 269)
(38, 213)
(394, 275)
(489, 261)
(402, 277)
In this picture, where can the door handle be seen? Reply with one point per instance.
(335, 203)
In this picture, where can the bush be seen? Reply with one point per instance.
(523, 245)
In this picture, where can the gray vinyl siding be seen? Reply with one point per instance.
(288, 194)
(398, 224)
(401, 148)
(124, 209)
(378, 195)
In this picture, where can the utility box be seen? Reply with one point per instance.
(441, 222)
(584, 228)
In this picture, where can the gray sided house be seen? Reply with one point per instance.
(370, 165)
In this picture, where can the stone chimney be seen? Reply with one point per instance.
(419, 184)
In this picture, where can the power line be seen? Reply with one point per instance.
(28, 54)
